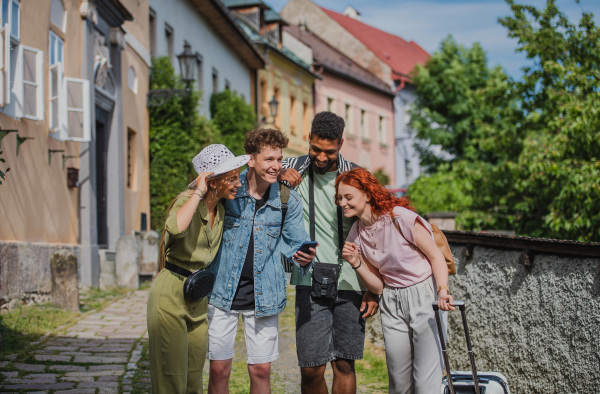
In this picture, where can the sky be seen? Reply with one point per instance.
(428, 22)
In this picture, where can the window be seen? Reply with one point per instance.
(10, 65)
(215, 81)
(11, 16)
(227, 84)
(4, 67)
(169, 39)
(305, 120)
(132, 80)
(131, 158)
(199, 73)
(152, 28)
(250, 16)
(347, 119)
(272, 33)
(363, 129)
(293, 116)
(406, 109)
(381, 131)
(57, 14)
(76, 94)
(33, 91)
(56, 68)
(329, 104)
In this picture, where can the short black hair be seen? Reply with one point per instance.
(328, 125)
(257, 139)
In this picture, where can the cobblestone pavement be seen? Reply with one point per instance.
(99, 354)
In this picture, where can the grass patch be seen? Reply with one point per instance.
(371, 371)
(23, 326)
(95, 299)
(26, 324)
(140, 382)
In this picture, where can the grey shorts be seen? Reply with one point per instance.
(328, 329)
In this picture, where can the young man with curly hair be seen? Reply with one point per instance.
(327, 329)
(250, 279)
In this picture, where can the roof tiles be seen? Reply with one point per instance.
(401, 55)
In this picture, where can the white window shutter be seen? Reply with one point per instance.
(4, 67)
(33, 91)
(55, 88)
(76, 117)
(17, 86)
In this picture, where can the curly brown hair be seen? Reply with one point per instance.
(257, 139)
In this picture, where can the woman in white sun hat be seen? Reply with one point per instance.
(177, 317)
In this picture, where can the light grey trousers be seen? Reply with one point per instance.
(412, 346)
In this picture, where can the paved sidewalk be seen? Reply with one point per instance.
(97, 355)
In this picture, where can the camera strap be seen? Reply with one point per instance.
(311, 214)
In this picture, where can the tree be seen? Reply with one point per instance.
(381, 176)
(233, 117)
(468, 122)
(177, 134)
(528, 151)
(557, 188)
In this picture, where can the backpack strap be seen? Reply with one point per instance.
(284, 192)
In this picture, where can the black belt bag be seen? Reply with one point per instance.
(325, 280)
(197, 285)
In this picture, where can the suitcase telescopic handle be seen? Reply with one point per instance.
(461, 306)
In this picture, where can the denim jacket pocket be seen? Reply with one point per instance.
(231, 227)
(273, 230)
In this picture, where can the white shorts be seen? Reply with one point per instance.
(262, 344)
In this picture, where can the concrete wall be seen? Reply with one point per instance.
(188, 25)
(25, 274)
(537, 325)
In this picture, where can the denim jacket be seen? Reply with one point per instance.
(270, 242)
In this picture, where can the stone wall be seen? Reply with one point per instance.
(537, 323)
(25, 273)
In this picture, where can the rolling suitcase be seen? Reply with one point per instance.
(463, 381)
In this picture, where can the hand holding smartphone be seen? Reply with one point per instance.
(306, 245)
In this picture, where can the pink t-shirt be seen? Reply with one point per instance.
(399, 261)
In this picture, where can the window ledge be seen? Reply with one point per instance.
(351, 137)
(366, 140)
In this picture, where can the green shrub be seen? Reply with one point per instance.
(233, 117)
(177, 134)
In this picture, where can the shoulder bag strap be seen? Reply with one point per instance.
(311, 214)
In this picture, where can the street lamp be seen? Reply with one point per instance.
(187, 66)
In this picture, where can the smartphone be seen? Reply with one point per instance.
(308, 244)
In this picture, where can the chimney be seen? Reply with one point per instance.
(352, 12)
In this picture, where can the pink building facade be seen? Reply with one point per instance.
(368, 137)
(363, 100)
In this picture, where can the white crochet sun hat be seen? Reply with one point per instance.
(218, 159)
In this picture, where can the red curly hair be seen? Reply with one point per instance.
(382, 201)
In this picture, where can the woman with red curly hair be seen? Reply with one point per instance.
(394, 254)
